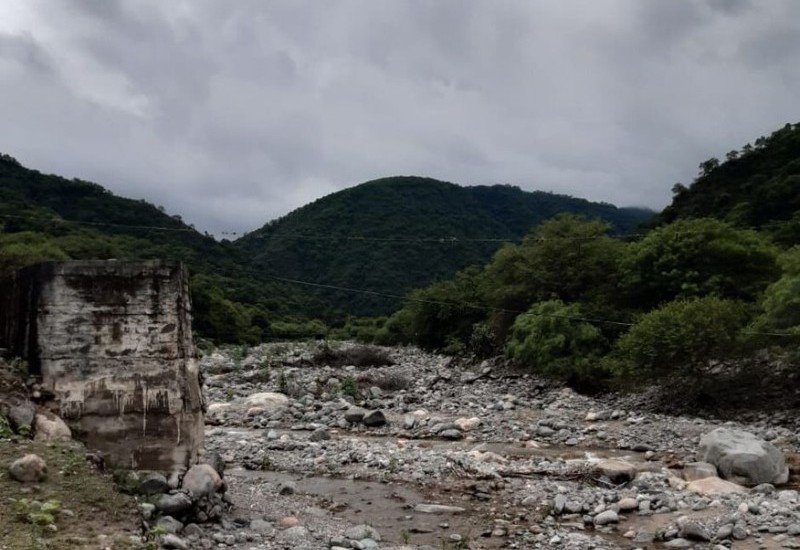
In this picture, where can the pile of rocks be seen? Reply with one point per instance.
(176, 504)
(532, 464)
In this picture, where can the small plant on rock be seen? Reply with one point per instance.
(350, 387)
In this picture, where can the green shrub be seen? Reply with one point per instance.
(680, 338)
(549, 340)
(780, 306)
(698, 257)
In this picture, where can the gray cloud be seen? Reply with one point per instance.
(234, 113)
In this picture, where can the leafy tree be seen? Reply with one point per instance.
(551, 340)
(680, 338)
(18, 250)
(698, 257)
(219, 318)
(566, 258)
(781, 301)
(440, 314)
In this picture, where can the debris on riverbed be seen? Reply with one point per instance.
(476, 458)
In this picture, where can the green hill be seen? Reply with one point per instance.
(395, 234)
(45, 217)
(757, 186)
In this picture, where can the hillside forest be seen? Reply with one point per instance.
(584, 292)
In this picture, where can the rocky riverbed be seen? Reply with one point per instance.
(405, 449)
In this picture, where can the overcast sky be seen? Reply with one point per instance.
(233, 113)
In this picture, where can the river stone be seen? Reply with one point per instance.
(618, 471)
(374, 419)
(50, 428)
(21, 415)
(152, 483)
(714, 486)
(467, 424)
(169, 524)
(30, 467)
(201, 480)
(174, 504)
(699, 470)
(296, 536)
(451, 434)
(606, 517)
(742, 457)
(354, 415)
(173, 541)
(437, 509)
(693, 530)
(267, 401)
(216, 461)
(360, 532)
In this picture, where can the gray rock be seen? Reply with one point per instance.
(173, 541)
(559, 502)
(373, 419)
(202, 480)
(216, 461)
(693, 530)
(152, 483)
(437, 509)
(354, 416)
(678, 543)
(451, 434)
(169, 524)
(698, 470)
(50, 428)
(21, 415)
(606, 517)
(261, 526)
(296, 535)
(174, 504)
(193, 530)
(742, 457)
(320, 434)
(360, 532)
(618, 471)
(286, 488)
(30, 467)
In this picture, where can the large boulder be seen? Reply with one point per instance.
(21, 414)
(618, 471)
(267, 401)
(374, 419)
(202, 480)
(50, 428)
(742, 457)
(714, 486)
(30, 467)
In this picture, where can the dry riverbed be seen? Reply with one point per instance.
(458, 457)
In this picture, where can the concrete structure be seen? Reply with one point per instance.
(112, 341)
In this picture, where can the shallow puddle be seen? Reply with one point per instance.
(388, 507)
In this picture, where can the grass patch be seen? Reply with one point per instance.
(70, 509)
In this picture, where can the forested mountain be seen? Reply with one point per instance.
(46, 217)
(395, 234)
(758, 186)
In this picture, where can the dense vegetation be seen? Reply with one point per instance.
(757, 186)
(44, 217)
(715, 280)
(401, 221)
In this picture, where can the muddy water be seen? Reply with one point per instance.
(388, 507)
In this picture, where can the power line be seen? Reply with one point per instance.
(471, 305)
(109, 224)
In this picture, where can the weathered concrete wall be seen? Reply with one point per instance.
(112, 340)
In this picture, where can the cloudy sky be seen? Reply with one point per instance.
(233, 113)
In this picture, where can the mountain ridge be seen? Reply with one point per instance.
(362, 236)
